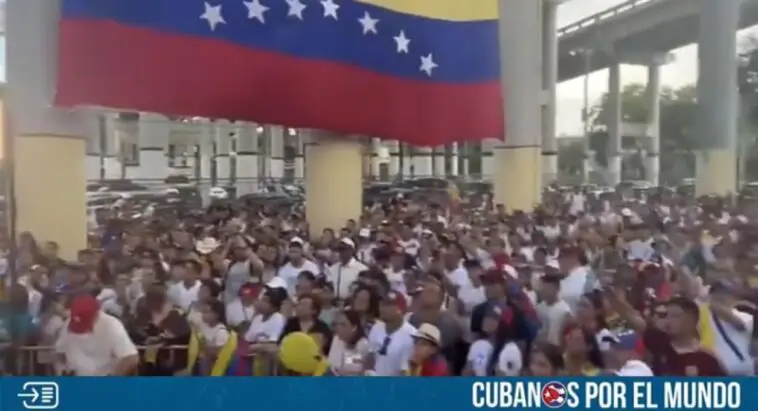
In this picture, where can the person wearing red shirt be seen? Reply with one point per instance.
(426, 360)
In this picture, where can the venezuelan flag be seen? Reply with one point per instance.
(420, 71)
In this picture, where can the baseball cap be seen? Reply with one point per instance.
(625, 340)
(346, 242)
(396, 299)
(84, 311)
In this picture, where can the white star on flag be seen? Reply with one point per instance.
(296, 9)
(427, 65)
(330, 8)
(368, 23)
(213, 16)
(255, 10)
(402, 42)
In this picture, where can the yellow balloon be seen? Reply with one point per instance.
(300, 352)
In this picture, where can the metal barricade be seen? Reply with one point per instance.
(40, 360)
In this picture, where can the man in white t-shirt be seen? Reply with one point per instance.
(94, 343)
(391, 340)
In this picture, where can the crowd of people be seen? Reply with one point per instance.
(579, 286)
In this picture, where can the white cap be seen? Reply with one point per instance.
(348, 242)
(364, 233)
(277, 282)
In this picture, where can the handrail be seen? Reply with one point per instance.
(603, 15)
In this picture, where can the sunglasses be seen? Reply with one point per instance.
(385, 346)
(660, 314)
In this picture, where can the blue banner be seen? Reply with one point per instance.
(374, 394)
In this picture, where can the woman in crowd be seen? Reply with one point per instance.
(546, 360)
(306, 320)
(160, 327)
(582, 353)
(349, 346)
(365, 301)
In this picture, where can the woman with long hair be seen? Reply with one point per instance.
(546, 360)
(349, 345)
(582, 352)
(365, 301)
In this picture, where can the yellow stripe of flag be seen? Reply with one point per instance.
(453, 10)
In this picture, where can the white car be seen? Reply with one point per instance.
(218, 193)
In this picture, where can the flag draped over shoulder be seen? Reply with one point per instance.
(421, 71)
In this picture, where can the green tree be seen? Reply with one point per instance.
(677, 129)
(571, 158)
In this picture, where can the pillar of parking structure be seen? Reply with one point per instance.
(247, 158)
(224, 132)
(275, 158)
(333, 180)
(653, 95)
(153, 136)
(518, 169)
(614, 124)
(549, 83)
(50, 176)
(717, 97)
(422, 163)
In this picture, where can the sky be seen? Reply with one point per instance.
(682, 71)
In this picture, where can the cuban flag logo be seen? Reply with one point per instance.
(554, 395)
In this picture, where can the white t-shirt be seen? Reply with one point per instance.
(96, 353)
(634, 368)
(573, 286)
(216, 336)
(289, 273)
(391, 352)
(478, 357)
(265, 330)
(510, 361)
(553, 318)
(182, 296)
(343, 359)
(237, 314)
(741, 340)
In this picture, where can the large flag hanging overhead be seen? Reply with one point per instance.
(421, 71)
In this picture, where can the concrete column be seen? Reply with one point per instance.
(223, 134)
(408, 167)
(247, 158)
(334, 184)
(652, 161)
(549, 85)
(49, 157)
(205, 142)
(300, 156)
(376, 161)
(111, 161)
(454, 154)
(613, 123)
(422, 163)
(153, 137)
(438, 161)
(518, 168)
(717, 97)
(275, 136)
(394, 152)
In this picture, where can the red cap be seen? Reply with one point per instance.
(398, 299)
(250, 290)
(84, 311)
